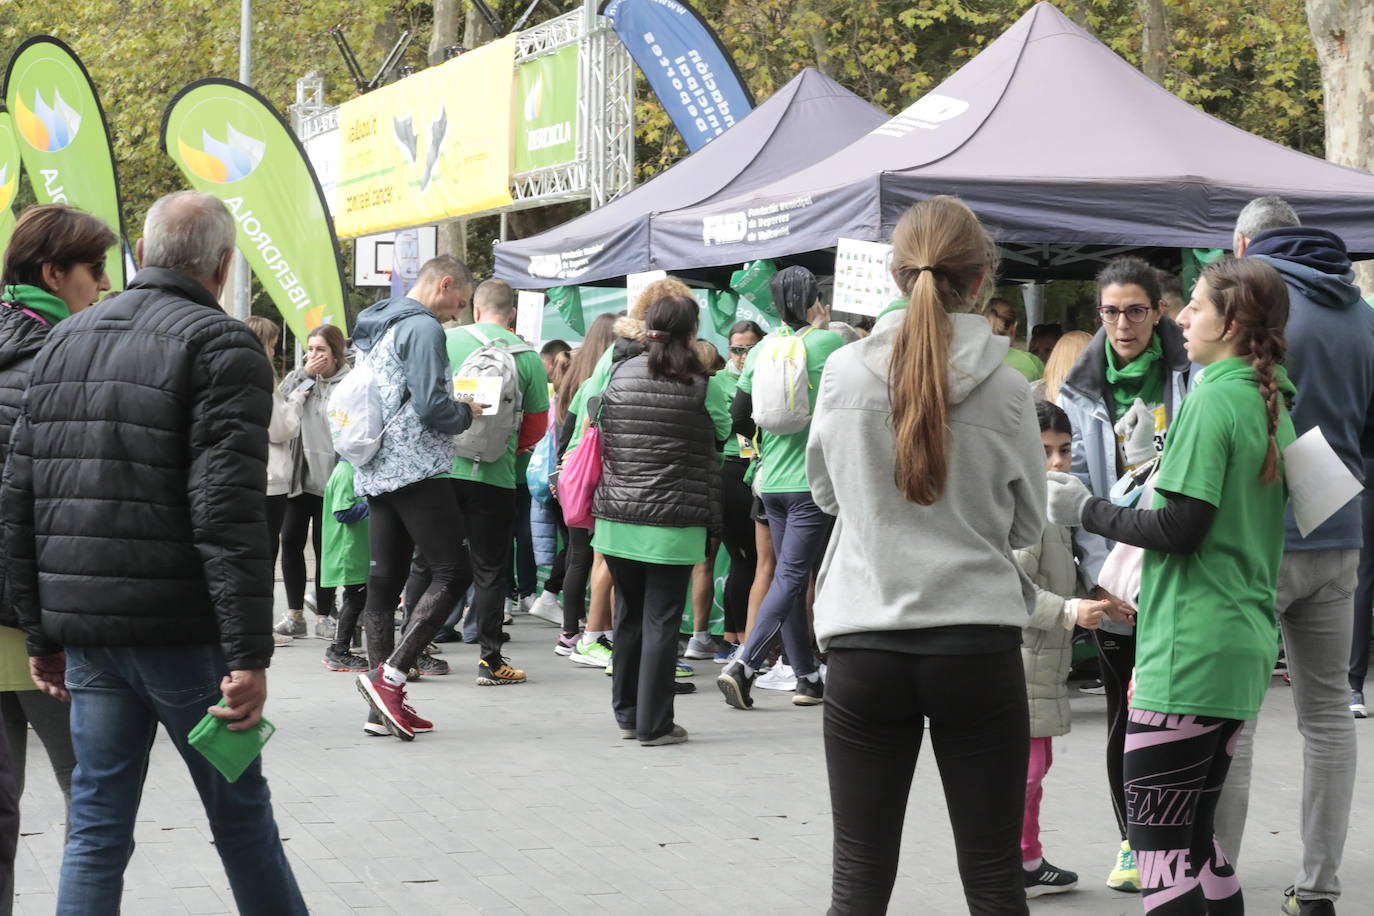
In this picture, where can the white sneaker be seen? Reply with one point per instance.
(279, 640)
(325, 627)
(698, 649)
(780, 677)
(523, 605)
(547, 608)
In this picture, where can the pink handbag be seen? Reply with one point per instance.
(577, 484)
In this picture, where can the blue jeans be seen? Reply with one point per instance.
(119, 695)
(800, 531)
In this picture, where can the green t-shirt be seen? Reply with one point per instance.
(783, 468)
(728, 383)
(344, 552)
(1205, 635)
(652, 543)
(594, 385)
(1028, 364)
(534, 385)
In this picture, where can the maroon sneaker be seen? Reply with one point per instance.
(387, 702)
(418, 725)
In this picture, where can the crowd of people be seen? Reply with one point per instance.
(920, 520)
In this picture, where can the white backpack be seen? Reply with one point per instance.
(488, 438)
(782, 387)
(355, 413)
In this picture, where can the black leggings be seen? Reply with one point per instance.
(980, 731)
(423, 516)
(276, 514)
(354, 600)
(737, 503)
(303, 515)
(1175, 768)
(1116, 653)
(554, 583)
(579, 570)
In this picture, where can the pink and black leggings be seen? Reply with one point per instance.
(1175, 767)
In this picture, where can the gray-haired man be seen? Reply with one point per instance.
(139, 559)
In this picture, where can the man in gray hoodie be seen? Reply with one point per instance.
(1330, 335)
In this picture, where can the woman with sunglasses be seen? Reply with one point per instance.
(54, 267)
(1121, 395)
(737, 499)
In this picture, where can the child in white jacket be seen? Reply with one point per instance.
(1046, 651)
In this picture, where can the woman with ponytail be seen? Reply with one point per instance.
(659, 496)
(1213, 542)
(927, 450)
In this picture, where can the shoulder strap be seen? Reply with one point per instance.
(30, 312)
(483, 339)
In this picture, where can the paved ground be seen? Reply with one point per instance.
(525, 800)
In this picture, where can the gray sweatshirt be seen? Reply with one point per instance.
(894, 565)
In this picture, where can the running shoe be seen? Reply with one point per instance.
(809, 693)
(1316, 906)
(566, 645)
(593, 654)
(1047, 879)
(325, 627)
(682, 669)
(1357, 707)
(609, 670)
(336, 659)
(434, 649)
(426, 666)
(726, 654)
(779, 677)
(387, 702)
(547, 609)
(375, 726)
(499, 674)
(677, 735)
(681, 687)
(735, 685)
(448, 636)
(290, 625)
(700, 649)
(279, 640)
(1126, 876)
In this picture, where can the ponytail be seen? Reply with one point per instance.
(941, 257)
(1251, 295)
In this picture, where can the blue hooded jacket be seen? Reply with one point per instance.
(1330, 335)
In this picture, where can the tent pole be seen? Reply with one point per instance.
(1033, 294)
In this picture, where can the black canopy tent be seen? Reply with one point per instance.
(806, 120)
(1067, 153)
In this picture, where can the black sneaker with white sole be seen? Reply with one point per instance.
(809, 692)
(735, 685)
(1047, 879)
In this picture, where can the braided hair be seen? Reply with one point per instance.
(1251, 297)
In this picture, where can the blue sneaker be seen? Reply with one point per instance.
(726, 654)
(684, 670)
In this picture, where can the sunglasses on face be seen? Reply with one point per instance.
(740, 351)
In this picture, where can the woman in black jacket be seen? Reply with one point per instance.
(657, 500)
(54, 268)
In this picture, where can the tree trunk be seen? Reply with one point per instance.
(1154, 39)
(446, 24)
(1344, 34)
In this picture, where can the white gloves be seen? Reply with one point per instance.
(1137, 429)
(1066, 497)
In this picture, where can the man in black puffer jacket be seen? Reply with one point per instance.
(134, 508)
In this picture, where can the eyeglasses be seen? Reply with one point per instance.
(1135, 314)
(98, 268)
(741, 351)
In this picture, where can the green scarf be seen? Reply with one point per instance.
(1140, 378)
(37, 300)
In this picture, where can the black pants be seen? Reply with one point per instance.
(425, 517)
(579, 571)
(979, 726)
(650, 598)
(1175, 768)
(1117, 656)
(526, 573)
(559, 569)
(354, 600)
(737, 503)
(1364, 589)
(302, 515)
(488, 518)
(276, 514)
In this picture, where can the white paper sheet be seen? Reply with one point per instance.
(1319, 483)
(635, 284)
(863, 277)
(529, 317)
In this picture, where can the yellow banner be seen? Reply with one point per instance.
(432, 146)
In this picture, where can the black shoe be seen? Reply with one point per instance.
(684, 687)
(735, 685)
(449, 636)
(809, 692)
(1047, 879)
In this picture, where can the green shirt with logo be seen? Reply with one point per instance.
(1205, 633)
(534, 386)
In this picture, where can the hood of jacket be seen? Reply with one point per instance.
(629, 328)
(1088, 376)
(1314, 261)
(374, 320)
(974, 352)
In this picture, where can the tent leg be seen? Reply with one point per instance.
(505, 226)
(1033, 294)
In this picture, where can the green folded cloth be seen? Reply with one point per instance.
(230, 752)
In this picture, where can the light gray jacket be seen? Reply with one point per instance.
(894, 565)
(1047, 640)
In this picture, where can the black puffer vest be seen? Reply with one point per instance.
(658, 452)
